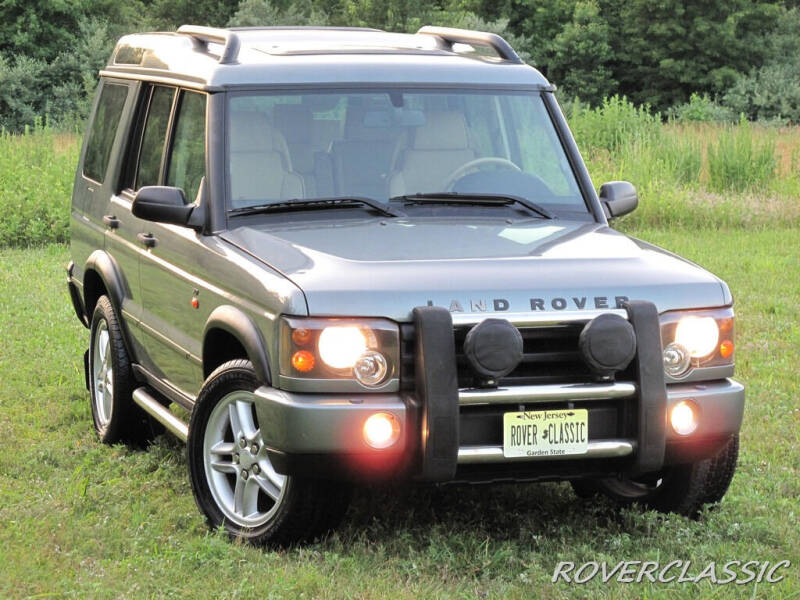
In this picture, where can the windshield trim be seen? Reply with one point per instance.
(545, 92)
(574, 157)
(271, 88)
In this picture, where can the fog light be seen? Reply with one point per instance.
(683, 418)
(676, 360)
(370, 369)
(381, 430)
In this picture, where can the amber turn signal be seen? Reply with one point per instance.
(301, 336)
(726, 349)
(303, 361)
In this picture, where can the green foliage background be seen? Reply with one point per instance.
(740, 56)
(689, 175)
(78, 520)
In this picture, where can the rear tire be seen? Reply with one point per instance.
(111, 383)
(683, 489)
(233, 481)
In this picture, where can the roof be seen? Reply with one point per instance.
(221, 58)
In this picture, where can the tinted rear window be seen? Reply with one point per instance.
(104, 128)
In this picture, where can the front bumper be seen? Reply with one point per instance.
(321, 435)
(452, 430)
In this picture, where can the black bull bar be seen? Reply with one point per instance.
(438, 394)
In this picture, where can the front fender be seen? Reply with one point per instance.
(112, 277)
(239, 325)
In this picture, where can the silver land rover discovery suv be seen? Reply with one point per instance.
(322, 256)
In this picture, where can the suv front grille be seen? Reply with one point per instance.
(550, 356)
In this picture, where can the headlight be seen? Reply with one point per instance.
(364, 351)
(692, 339)
(699, 335)
(341, 346)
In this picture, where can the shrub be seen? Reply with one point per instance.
(612, 125)
(682, 157)
(768, 94)
(672, 159)
(36, 171)
(741, 160)
(701, 109)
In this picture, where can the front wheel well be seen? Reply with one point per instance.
(220, 346)
(93, 288)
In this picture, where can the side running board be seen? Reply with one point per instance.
(161, 413)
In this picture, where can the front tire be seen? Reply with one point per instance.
(233, 481)
(683, 489)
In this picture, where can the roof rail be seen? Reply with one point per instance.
(299, 28)
(206, 35)
(450, 36)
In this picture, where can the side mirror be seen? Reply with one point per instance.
(618, 198)
(162, 204)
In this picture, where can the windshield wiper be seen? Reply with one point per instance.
(473, 199)
(317, 204)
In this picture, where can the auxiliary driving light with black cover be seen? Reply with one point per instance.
(607, 345)
(493, 348)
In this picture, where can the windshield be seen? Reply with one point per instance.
(383, 144)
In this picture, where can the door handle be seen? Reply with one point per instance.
(111, 221)
(147, 239)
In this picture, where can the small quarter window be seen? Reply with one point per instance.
(103, 130)
(187, 159)
(154, 138)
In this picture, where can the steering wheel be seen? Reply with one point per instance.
(459, 172)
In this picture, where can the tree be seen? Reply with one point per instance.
(667, 49)
(582, 55)
(265, 13)
(39, 28)
(660, 50)
(773, 90)
(171, 14)
(392, 15)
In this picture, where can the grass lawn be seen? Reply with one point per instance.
(83, 520)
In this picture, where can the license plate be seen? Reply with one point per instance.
(545, 432)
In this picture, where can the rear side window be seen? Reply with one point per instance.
(187, 160)
(155, 134)
(103, 131)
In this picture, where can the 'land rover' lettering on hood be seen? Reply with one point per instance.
(537, 304)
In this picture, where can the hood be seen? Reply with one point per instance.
(386, 268)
